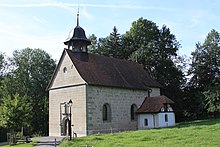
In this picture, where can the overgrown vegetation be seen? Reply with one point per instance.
(196, 133)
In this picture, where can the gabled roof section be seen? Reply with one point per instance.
(154, 104)
(55, 72)
(106, 71)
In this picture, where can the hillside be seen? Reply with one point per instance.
(196, 133)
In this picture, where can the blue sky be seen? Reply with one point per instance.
(46, 24)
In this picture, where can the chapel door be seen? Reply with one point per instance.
(65, 129)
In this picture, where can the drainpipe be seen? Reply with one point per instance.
(149, 92)
(154, 120)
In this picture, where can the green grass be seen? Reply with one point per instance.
(21, 144)
(196, 133)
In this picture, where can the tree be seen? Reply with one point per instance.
(156, 49)
(30, 73)
(94, 43)
(212, 98)
(2, 61)
(111, 45)
(205, 61)
(140, 40)
(2, 65)
(151, 47)
(15, 112)
(205, 72)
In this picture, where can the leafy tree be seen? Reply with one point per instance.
(140, 40)
(212, 97)
(153, 48)
(193, 103)
(1, 71)
(156, 49)
(15, 112)
(2, 61)
(206, 61)
(205, 72)
(30, 73)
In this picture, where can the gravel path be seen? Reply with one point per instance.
(48, 141)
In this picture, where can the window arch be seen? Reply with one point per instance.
(106, 112)
(133, 110)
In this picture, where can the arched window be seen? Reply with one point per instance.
(64, 70)
(145, 122)
(133, 110)
(106, 112)
(166, 118)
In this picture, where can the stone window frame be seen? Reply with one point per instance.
(106, 112)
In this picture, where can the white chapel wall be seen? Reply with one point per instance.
(68, 76)
(78, 97)
(58, 95)
(146, 117)
(171, 119)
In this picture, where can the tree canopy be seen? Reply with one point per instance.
(29, 73)
(205, 72)
(15, 112)
(110, 45)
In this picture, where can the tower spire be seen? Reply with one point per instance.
(78, 17)
(78, 42)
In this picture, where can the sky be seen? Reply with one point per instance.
(46, 24)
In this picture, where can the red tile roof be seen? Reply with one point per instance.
(154, 104)
(106, 71)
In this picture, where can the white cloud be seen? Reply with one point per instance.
(67, 5)
(86, 14)
(38, 20)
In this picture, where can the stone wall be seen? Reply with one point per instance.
(78, 96)
(66, 86)
(67, 77)
(120, 101)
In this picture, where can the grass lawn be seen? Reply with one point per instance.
(196, 133)
(21, 144)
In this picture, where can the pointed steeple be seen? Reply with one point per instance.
(78, 42)
(78, 18)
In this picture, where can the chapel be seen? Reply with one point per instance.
(90, 93)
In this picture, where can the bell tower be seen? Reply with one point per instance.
(78, 42)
